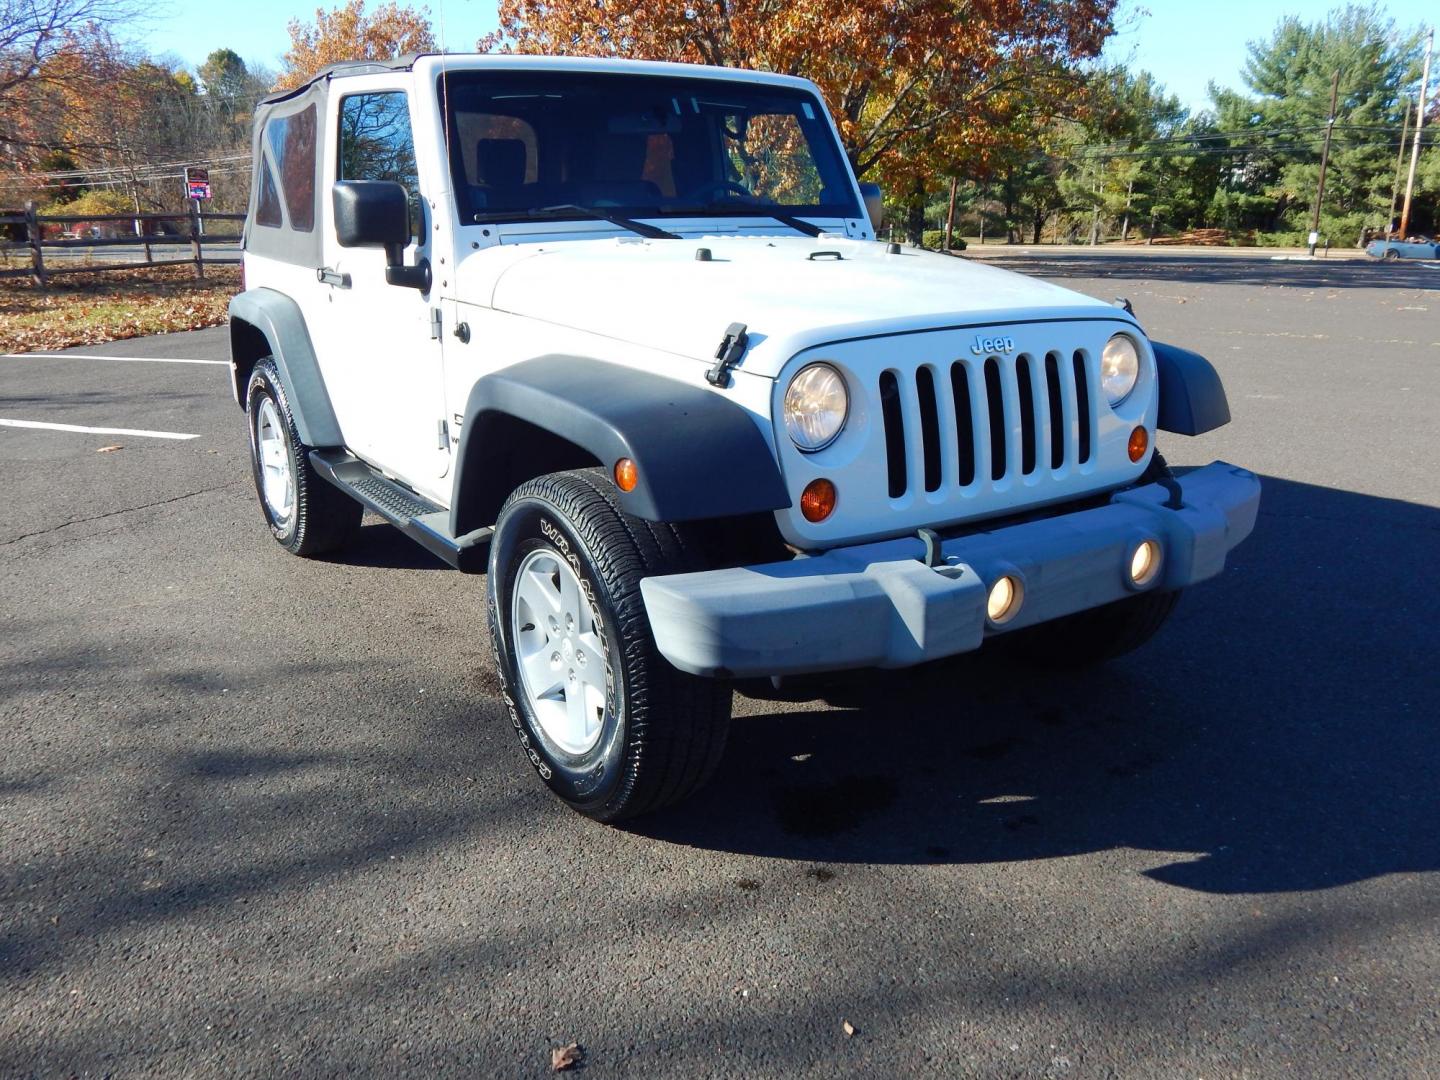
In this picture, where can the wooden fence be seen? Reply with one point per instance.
(26, 232)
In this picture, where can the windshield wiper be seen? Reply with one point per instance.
(741, 210)
(796, 223)
(569, 210)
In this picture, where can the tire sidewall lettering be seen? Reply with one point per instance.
(261, 387)
(585, 779)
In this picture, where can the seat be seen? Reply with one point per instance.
(500, 174)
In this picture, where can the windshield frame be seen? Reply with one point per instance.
(819, 132)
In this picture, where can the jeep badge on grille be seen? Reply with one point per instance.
(984, 345)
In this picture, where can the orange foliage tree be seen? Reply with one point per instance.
(348, 33)
(920, 89)
(94, 103)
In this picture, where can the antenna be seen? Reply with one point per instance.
(445, 105)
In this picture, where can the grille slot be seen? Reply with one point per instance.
(1057, 410)
(1027, 416)
(929, 427)
(964, 423)
(894, 432)
(1082, 405)
(995, 399)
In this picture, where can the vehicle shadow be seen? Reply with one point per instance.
(380, 545)
(1225, 269)
(1280, 734)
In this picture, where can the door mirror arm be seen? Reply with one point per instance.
(409, 277)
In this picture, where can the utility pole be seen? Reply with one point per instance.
(1095, 212)
(1399, 166)
(1419, 125)
(950, 216)
(1324, 162)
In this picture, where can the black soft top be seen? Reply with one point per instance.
(341, 69)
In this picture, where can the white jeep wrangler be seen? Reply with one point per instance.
(622, 336)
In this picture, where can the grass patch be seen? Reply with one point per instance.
(86, 309)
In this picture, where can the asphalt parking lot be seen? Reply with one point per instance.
(263, 816)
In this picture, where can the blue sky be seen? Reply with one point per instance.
(1184, 43)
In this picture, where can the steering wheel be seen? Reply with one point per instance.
(716, 187)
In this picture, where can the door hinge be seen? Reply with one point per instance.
(435, 324)
(444, 430)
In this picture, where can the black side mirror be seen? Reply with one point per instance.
(376, 213)
(874, 206)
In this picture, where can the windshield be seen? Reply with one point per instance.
(639, 146)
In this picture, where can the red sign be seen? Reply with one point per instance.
(197, 183)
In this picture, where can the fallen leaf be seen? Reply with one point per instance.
(566, 1057)
(109, 449)
(848, 1028)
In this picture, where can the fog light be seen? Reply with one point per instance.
(817, 501)
(1145, 563)
(1003, 603)
(627, 475)
(1139, 443)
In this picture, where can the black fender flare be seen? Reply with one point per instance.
(265, 317)
(698, 454)
(1192, 397)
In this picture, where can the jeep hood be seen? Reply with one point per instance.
(792, 293)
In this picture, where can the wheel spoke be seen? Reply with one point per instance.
(537, 589)
(577, 712)
(546, 679)
(570, 595)
(590, 660)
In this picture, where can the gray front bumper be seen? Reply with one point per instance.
(879, 605)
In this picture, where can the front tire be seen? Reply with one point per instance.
(307, 516)
(609, 724)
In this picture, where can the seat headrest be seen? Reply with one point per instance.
(500, 162)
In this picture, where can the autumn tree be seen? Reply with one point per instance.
(34, 31)
(33, 35)
(349, 33)
(919, 89)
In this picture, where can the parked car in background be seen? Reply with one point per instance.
(1419, 247)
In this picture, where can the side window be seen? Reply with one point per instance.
(291, 143)
(267, 211)
(376, 144)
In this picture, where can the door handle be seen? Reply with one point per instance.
(326, 276)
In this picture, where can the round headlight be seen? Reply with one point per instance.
(816, 406)
(1119, 368)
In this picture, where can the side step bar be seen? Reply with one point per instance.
(418, 518)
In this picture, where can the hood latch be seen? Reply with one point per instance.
(732, 348)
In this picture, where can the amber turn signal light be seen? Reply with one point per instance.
(626, 474)
(817, 501)
(1139, 443)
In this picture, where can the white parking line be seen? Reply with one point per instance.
(96, 430)
(94, 356)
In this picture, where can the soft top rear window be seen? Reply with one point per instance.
(291, 144)
(649, 146)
